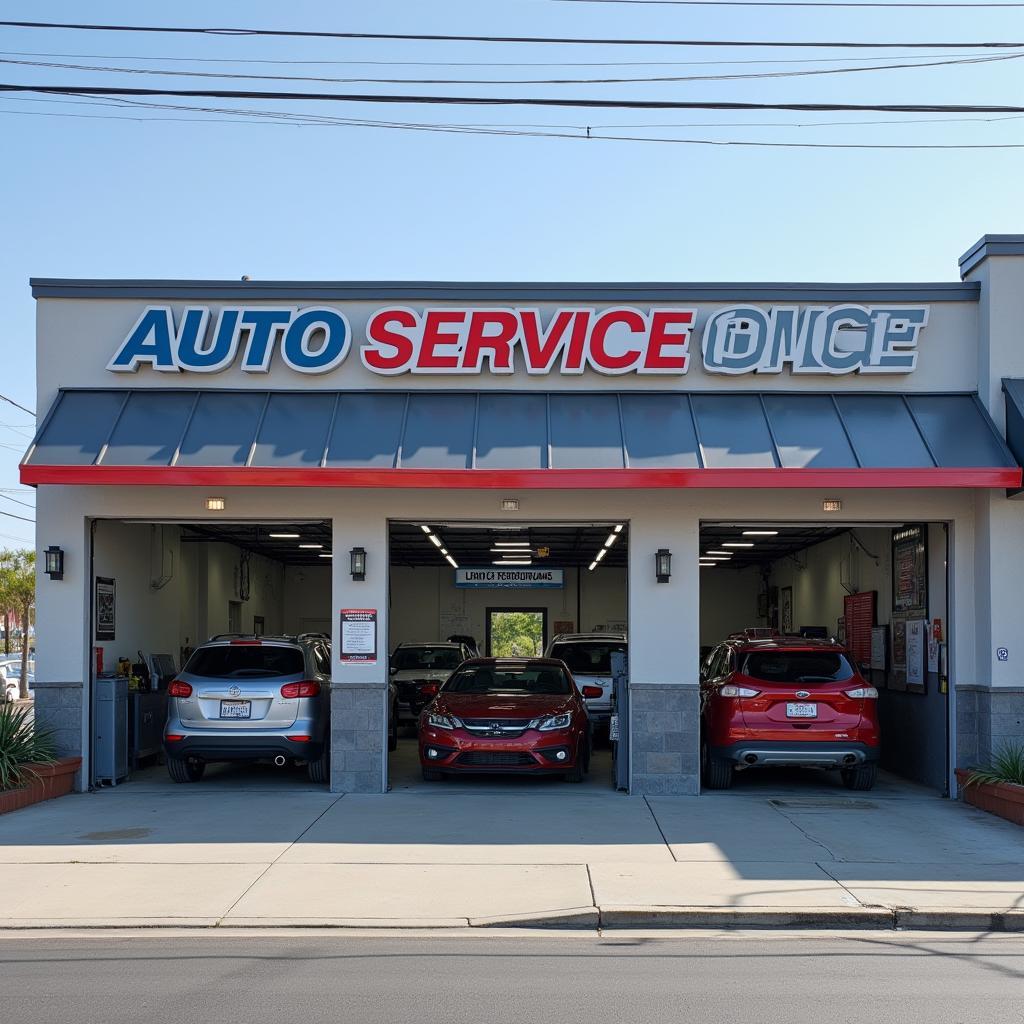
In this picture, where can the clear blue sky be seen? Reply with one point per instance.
(89, 196)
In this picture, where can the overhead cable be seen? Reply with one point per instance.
(17, 405)
(447, 38)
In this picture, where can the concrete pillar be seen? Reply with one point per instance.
(359, 691)
(664, 655)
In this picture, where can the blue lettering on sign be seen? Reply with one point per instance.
(312, 340)
(818, 339)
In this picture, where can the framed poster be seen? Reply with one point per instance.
(787, 609)
(106, 608)
(917, 631)
(910, 572)
(359, 635)
(879, 645)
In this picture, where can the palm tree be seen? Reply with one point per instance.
(18, 593)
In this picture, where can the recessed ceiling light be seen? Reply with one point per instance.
(593, 566)
(612, 538)
(760, 533)
(737, 544)
(600, 554)
(707, 565)
(426, 529)
(618, 527)
(715, 558)
(514, 561)
(452, 562)
(510, 551)
(511, 543)
(729, 553)
(284, 536)
(326, 554)
(434, 539)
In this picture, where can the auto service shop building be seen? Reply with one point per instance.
(837, 459)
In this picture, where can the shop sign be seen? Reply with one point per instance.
(358, 635)
(497, 578)
(618, 340)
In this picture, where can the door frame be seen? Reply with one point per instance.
(505, 608)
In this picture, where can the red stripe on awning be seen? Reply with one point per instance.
(526, 479)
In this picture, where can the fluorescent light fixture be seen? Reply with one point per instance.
(716, 552)
(737, 544)
(426, 529)
(326, 554)
(434, 539)
(707, 565)
(760, 533)
(715, 558)
(618, 527)
(311, 547)
(444, 551)
(511, 543)
(284, 536)
(600, 554)
(452, 562)
(513, 561)
(510, 551)
(612, 538)
(593, 566)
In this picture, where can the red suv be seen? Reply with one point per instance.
(515, 715)
(786, 701)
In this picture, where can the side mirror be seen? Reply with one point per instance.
(592, 691)
(392, 669)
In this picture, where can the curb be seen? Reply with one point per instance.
(745, 917)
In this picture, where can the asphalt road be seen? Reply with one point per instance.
(216, 979)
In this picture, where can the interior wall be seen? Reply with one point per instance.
(728, 602)
(425, 604)
(307, 599)
(266, 589)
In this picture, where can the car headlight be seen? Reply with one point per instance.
(443, 721)
(555, 722)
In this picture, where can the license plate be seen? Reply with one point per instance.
(801, 710)
(236, 709)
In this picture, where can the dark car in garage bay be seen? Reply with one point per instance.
(786, 701)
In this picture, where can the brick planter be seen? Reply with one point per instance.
(51, 780)
(1003, 798)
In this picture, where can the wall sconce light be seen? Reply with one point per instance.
(663, 564)
(214, 504)
(54, 562)
(357, 564)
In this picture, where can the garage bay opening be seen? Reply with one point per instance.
(824, 647)
(501, 639)
(210, 652)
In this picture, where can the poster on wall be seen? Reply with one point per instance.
(106, 610)
(359, 635)
(879, 638)
(787, 609)
(917, 632)
(910, 571)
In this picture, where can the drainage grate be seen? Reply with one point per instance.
(824, 805)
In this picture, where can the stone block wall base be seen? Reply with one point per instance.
(664, 738)
(358, 713)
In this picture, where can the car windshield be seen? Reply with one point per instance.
(426, 657)
(510, 679)
(588, 658)
(807, 667)
(249, 661)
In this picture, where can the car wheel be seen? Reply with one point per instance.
(861, 778)
(393, 730)
(431, 775)
(319, 769)
(185, 769)
(575, 774)
(716, 773)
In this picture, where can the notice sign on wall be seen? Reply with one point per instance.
(359, 635)
(498, 578)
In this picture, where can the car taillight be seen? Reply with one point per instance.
(429, 689)
(246, 643)
(299, 739)
(731, 690)
(179, 689)
(307, 688)
(173, 737)
(864, 692)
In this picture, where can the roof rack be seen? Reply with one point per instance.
(252, 636)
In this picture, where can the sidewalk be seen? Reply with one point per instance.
(273, 851)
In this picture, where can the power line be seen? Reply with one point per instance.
(11, 401)
(504, 101)
(438, 38)
(11, 515)
(514, 81)
(16, 502)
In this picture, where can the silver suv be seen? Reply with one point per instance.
(249, 698)
(589, 657)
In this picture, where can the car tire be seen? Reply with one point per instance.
(576, 773)
(431, 775)
(716, 773)
(185, 769)
(319, 769)
(860, 779)
(393, 730)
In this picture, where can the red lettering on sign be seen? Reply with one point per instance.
(379, 332)
(656, 359)
(599, 356)
(433, 336)
(491, 331)
(540, 347)
(572, 360)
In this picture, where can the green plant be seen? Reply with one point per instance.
(21, 746)
(1006, 766)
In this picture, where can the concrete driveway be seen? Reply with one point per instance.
(252, 846)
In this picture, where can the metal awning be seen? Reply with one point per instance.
(532, 439)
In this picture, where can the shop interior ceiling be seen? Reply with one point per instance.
(556, 547)
(768, 542)
(279, 540)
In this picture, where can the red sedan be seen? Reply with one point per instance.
(511, 715)
(787, 701)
